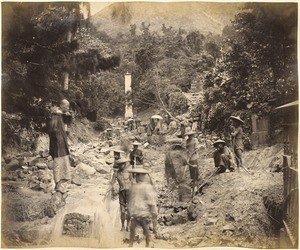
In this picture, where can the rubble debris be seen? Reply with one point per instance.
(76, 225)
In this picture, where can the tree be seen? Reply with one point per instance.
(41, 43)
(257, 70)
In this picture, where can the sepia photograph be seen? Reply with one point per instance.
(149, 124)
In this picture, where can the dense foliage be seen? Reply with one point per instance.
(258, 67)
(251, 68)
(48, 52)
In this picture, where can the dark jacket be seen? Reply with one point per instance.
(58, 137)
(136, 155)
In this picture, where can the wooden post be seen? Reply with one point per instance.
(66, 80)
(128, 108)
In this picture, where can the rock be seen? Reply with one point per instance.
(168, 223)
(211, 221)
(44, 154)
(180, 243)
(74, 161)
(10, 175)
(195, 242)
(53, 205)
(179, 218)
(101, 161)
(40, 186)
(228, 227)
(110, 161)
(32, 206)
(31, 161)
(160, 219)
(45, 220)
(13, 165)
(197, 200)
(76, 225)
(7, 158)
(166, 236)
(105, 151)
(21, 174)
(76, 181)
(28, 235)
(41, 165)
(85, 170)
(167, 217)
(229, 217)
(101, 169)
(192, 212)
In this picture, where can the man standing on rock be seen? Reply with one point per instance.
(222, 157)
(59, 149)
(124, 179)
(142, 205)
(136, 155)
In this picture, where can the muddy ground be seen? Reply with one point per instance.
(241, 208)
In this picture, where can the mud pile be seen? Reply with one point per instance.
(235, 209)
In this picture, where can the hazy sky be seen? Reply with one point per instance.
(97, 6)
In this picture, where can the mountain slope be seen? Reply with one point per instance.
(205, 17)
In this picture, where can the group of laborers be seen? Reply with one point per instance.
(223, 157)
(137, 196)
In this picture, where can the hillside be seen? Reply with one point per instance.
(205, 17)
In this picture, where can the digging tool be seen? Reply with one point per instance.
(194, 177)
(206, 182)
(240, 164)
(194, 182)
(107, 193)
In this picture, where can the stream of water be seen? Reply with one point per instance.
(105, 225)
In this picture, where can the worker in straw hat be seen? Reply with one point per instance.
(117, 155)
(237, 139)
(124, 179)
(136, 155)
(222, 156)
(191, 145)
(142, 205)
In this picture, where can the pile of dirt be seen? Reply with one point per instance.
(235, 209)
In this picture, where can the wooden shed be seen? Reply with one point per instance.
(290, 175)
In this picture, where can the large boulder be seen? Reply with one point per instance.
(84, 170)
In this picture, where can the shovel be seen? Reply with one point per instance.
(206, 182)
